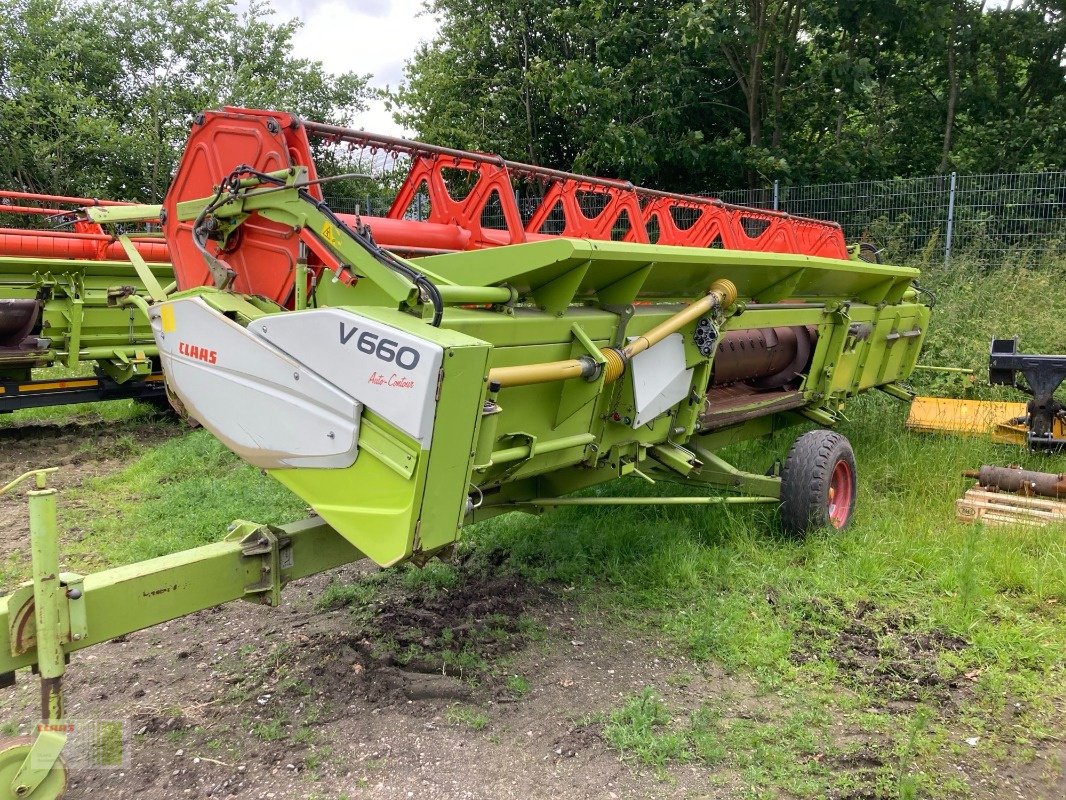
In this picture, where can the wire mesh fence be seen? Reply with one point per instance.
(988, 217)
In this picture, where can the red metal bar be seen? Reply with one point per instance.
(44, 212)
(573, 205)
(783, 232)
(58, 198)
(80, 246)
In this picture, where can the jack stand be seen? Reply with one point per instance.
(33, 769)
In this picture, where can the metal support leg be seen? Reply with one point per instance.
(47, 597)
(41, 767)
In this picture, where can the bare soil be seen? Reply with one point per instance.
(380, 726)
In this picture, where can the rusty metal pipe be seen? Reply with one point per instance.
(1021, 481)
(17, 319)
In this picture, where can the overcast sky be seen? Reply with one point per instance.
(363, 36)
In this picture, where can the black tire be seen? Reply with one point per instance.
(820, 466)
(869, 252)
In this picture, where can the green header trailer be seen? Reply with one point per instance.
(405, 398)
(72, 294)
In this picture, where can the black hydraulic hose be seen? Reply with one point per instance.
(922, 290)
(232, 184)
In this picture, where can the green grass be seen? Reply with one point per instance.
(641, 729)
(518, 685)
(975, 303)
(180, 494)
(467, 717)
(703, 577)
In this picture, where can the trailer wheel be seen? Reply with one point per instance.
(13, 753)
(817, 483)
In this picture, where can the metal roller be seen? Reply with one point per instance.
(764, 358)
(17, 321)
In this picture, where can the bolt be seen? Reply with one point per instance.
(331, 435)
(76, 637)
(296, 376)
(74, 594)
(263, 328)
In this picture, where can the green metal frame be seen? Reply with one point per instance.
(93, 311)
(552, 301)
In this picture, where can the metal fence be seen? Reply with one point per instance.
(986, 217)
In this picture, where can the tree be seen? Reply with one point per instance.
(691, 96)
(97, 99)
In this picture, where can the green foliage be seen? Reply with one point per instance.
(641, 729)
(518, 685)
(96, 98)
(467, 716)
(975, 302)
(685, 95)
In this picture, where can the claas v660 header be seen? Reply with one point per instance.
(492, 368)
(405, 398)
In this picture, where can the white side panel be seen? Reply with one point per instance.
(390, 371)
(262, 404)
(660, 379)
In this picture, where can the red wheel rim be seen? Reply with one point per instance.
(841, 490)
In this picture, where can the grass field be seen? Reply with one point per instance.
(942, 643)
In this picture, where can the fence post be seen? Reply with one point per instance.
(951, 219)
(777, 187)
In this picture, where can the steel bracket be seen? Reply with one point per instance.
(716, 471)
(273, 552)
(73, 623)
(625, 313)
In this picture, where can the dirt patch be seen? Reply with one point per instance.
(304, 701)
(425, 644)
(459, 628)
(884, 652)
(294, 702)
